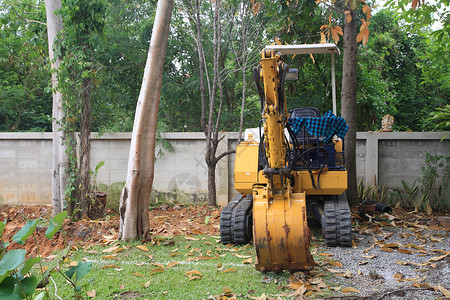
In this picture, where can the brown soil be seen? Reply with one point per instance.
(165, 220)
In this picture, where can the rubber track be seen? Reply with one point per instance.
(225, 220)
(345, 224)
(337, 226)
(241, 221)
(329, 225)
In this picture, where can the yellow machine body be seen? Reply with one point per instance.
(280, 230)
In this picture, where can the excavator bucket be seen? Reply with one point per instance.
(280, 232)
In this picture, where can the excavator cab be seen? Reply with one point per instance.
(290, 166)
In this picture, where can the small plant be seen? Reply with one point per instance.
(363, 192)
(405, 195)
(16, 280)
(373, 193)
(94, 174)
(379, 193)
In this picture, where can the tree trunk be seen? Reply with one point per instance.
(60, 156)
(134, 220)
(212, 184)
(85, 149)
(348, 104)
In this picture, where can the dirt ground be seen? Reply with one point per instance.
(402, 255)
(165, 221)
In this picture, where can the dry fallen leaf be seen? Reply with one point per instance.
(436, 258)
(111, 249)
(335, 263)
(190, 238)
(138, 274)
(172, 264)
(193, 275)
(147, 284)
(142, 247)
(113, 256)
(110, 266)
(350, 290)
(229, 270)
(248, 261)
(156, 270)
(91, 294)
(404, 251)
(444, 291)
(296, 285)
(242, 256)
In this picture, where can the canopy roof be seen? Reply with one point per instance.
(305, 48)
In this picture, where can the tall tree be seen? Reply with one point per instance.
(348, 100)
(134, 201)
(83, 23)
(348, 12)
(218, 59)
(60, 154)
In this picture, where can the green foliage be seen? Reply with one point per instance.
(390, 79)
(25, 101)
(17, 279)
(430, 20)
(442, 116)
(435, 166)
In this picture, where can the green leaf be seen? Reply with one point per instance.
(29, 263)
(11, 261)
(23, 234)
(2, 227)
(55, 224)
(81, 270)
(40, 296)
(26, 287)
(7, 287)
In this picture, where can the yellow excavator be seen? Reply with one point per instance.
(293, 163)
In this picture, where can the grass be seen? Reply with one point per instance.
(133, 275)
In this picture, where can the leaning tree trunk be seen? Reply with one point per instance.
(60, 156)
(348, 105)
(134, 201)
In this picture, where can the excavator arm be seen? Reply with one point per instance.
(280, 229)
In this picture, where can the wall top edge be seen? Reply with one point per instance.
(403, 135)
(229, 135)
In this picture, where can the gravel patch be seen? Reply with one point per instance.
(401, 257)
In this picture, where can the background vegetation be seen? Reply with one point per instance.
(399, 70)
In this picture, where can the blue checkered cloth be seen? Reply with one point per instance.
(326, 126)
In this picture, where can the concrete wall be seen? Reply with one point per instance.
(26, 160)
